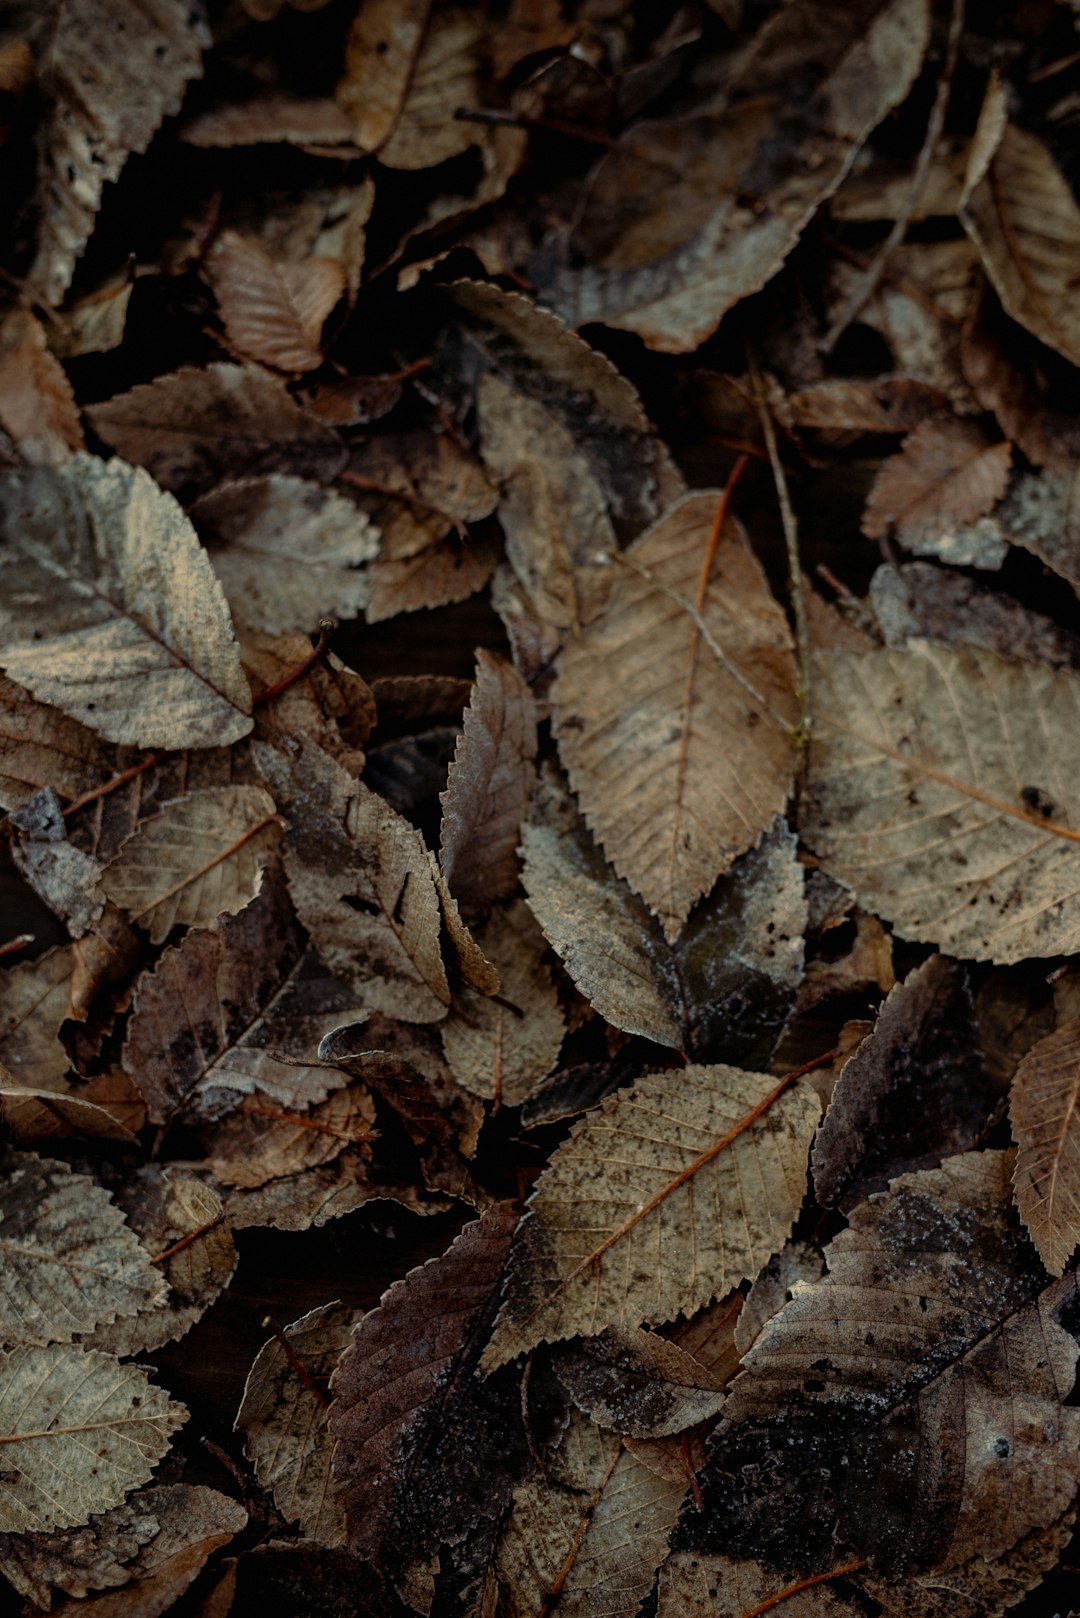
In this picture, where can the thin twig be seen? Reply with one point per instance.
(186, 1241)
(14, 945)
(796, 587)
(270, 1324)
(864, 291)
(803, 1584)
(316, 655)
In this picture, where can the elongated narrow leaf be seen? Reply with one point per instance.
(112, 611)
(676, 733)
(69, 1260)
(945, 789)
(1043, 1107)
(666, 1196)
(78, 1431)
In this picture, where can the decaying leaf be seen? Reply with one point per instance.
(258, 1142)
(283, 1417)
(444, 78)
(287, 552)
(957, 1438)
(413, 1424)
(40, 747)
(918, 601)
(489, 785)
(946, 475)
(393, 1077)
(61, 875)
(1042, 1105)
(112, 609)
(37, 406)
(675, 708)
(380, 56)
(34, 1000)
(69, 1259)
(596, 1530)
(665, 1197)
(942, 792)
(200, 856)
(80, 1430)
(638, 1383)
(273, 312)
(237, 1006)
(330, 1191)
(193, 428)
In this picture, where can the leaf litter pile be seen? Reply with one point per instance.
(540, 759)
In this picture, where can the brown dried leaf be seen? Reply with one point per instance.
(258, 1141)
(37, 406)
(1023, 218)
(193, 429)
(380, 56)
(678, 739)
(181, 1223)
(275, 115)
(598, 1523)
(400, 1084)
(286, 1434)
(325, 1193)
(69, 1259)
(661, 257)
(489, 785)
(113, 610)
(61, 875)
(424, 1448)
(941, 791)
(272, 312)
(665, 1197)
(362, 883)
(448, 570)
(918, 601)
(236, 1007)
(444, 77)
(33, 1116)
(500, 1051)
(1042, 1105)
(914, 1092)
(93, 324)
(34, 1000)
(945, 476)
(797, 1263)
(332, 704)
(638, 1383)
(112, 74)
(967, 1376)
(41, 747)
(694, 1584)
(979, 1588)
(200, 857)
(287, 552)
(80, 1430)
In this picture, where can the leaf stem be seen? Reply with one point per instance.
(294, 676)
(270, 1324)
(803, 1584)
(192, 1236)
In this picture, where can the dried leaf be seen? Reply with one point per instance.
(236, 1007)
(361, 880)
(449, 570)
(284, 1421)
(380, 56)
(272, 312)
(941, 792)
(638, 1383)
(270, 117)
(1025, 222)
(80, 1430)
(113, 611)
(665, 1197)
(61, 875)
(41, 747)
(195, 428)
(677, 739)
(946, 475)
(444, 78)
(918, 601)
(1042, 1105)
(33, 1116)
(395, 1079)
(502, 1051)
(696, 1585)
(424, 1449)
(37, 406)
(596, 1531)
(199, 857)
(258, 1142)
(99, 115)
(69, 1259)
(287, 552)
(34, 1000)
(325, 1193)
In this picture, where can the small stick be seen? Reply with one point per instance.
(695, 1486)
(186, 1241)
(115, 781)
(803, 1584)
(14, 945)
(316, 655)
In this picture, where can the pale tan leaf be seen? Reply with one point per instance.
(275, 115)
(41, 747)
(1025, 222)
(449, 570)
(943, 790)
(675, 709)
(36, 1115)
(79, 1430)
(665, 1197)
(638, 1383)
(272, 312)
(946, 475)
(695, 1584)
(934, 1332)
(445, 77)
(380, 55)
(112, 73)
(286, 1436)
(258, 1141)
(113, 612)
(69, 1259)
(194, 428)
(662, 257)
(489, 785)
(1043, 1109)
(236, 1007)
(332, 704)
(181, 1224)
(407, 1406)
(362, 884)
(34, 1000)
(198, 858)
(596, 1530)
(287, 552)
(497, 1050)
(471, 964)
(979, 1588)
(93, 324)
(37, 406)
